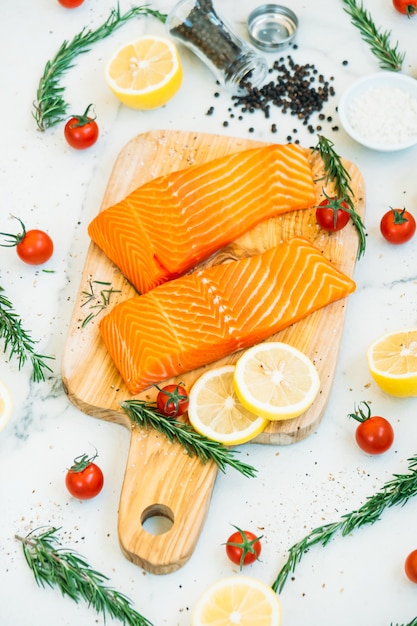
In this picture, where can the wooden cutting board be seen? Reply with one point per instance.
(161, 481)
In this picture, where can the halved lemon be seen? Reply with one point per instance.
(214, 409)
(5, 405)
(276, 381)
(145, 73)
(392, 362)
(237, 600)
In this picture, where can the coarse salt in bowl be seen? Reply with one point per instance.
(379, 111)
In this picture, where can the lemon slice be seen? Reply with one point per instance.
(5, 405)
(237, 600)
(276, 381)
(392, 362)
(145, 73)
(214, 409)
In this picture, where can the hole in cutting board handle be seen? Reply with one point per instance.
(157, 519)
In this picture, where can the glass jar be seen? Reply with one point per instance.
(234, 63)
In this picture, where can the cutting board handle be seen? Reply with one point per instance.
(164, 485)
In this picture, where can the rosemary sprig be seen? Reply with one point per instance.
(50, 107)
(18, 340)
(65, 569)
(146, 415)
(389, 57)
(395, 492)
(337, 174)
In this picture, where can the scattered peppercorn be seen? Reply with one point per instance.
(294, 90)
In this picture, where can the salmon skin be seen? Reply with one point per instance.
(172, 223)
(204, 316)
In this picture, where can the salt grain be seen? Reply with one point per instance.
(384, 115)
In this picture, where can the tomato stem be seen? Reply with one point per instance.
(359, 415)
(83, 119)
(82, 461)
(14, 240)
(399, 216)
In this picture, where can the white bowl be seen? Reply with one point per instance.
(379, 111)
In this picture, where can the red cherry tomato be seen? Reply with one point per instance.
(332, 214)
(410, 566)
(84, 479)
(406, 7)
(33, 247)
(397, 226)
(81, 131)
(70, 4)
(243, 547)
(172, 400)
(374, 435)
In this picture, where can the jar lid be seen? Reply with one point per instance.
(272, 27)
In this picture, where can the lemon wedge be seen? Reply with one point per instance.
(237, 600)
(392, 362)
(214, 409)
(145, 73)
(276, 381)
(5, 405)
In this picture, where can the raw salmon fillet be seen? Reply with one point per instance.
(167, 226)
(203, 316)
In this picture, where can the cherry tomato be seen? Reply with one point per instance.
(33, 247)
(332, 214)
(84, 479)
(410, 566)
(243, 547)
(81, 131)
(374, 434)
(407, 7)
(70, 4)
(172, 400)
(398, 226)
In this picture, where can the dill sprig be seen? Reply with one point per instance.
(50, 107)
(65, 569)
(18, 341)
(146, 415)
(412, 623)
(337, 174)
(379, 41)
(396, 492)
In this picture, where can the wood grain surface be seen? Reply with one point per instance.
(160, 480)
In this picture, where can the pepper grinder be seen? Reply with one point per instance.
(236, 65)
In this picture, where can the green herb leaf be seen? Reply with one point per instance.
(146, 415)
(389, 56)
(50, 107)
(18, 342)
(99, 303)
(59, 567)
(337, 174)
(395, 492)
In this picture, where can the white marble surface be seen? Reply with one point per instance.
(355, 580)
